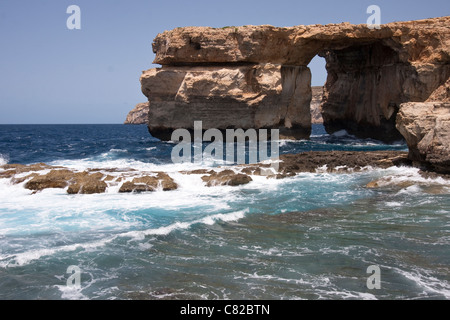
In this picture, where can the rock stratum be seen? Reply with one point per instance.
(139, 114)
(316, 114)
(258, 77)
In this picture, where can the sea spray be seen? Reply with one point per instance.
(3, 159)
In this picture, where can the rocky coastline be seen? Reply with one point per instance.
(38, 177)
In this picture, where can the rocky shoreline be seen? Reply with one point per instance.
(38, 177)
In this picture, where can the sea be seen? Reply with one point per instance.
(314, 236)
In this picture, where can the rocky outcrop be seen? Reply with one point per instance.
(229, 97)
(441, 94)
(226, 178)
(77, 182)
(339, 161)
(54, 179)
(426, 128)
(256, 76)
(38, 177)
(88, 184)
(316, 101)
(149, 183)
(139, 114)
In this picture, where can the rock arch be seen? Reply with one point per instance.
(257, 76)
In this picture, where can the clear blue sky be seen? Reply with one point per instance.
(50, 74)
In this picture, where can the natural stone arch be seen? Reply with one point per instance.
(237, 76)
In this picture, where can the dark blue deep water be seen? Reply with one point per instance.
(27, 144)
(312, 236)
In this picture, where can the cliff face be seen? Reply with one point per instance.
(316, 114)
(139, 115)
(235, 96)
(257, 76)
(426, 128)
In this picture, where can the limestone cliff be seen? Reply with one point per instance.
(234, 96)
(139, 115)
(316, 114)
(257, 76)
(426, 128)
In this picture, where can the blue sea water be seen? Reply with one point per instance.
(312, 236)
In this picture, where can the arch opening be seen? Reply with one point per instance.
(364, 90)
(318, 79)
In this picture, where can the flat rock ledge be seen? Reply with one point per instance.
(37, 177)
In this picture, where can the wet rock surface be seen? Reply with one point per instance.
(226, 178)
(38, 177)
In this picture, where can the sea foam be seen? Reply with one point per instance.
(3, 159)
(24, 258)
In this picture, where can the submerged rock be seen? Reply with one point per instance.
(339, 161)
(226, 178)
(14, 169)
(54, 179)
(398, 182)
(149, 183)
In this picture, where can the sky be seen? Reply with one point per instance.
(50, 74)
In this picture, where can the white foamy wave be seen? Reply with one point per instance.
(429, 283)
(71, 293)
(3, 159)
(345, 295)
(107, 163)
(228, 217)
(118, 150)
(398, 175)
(24, 258)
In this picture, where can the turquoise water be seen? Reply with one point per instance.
(312, 236)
